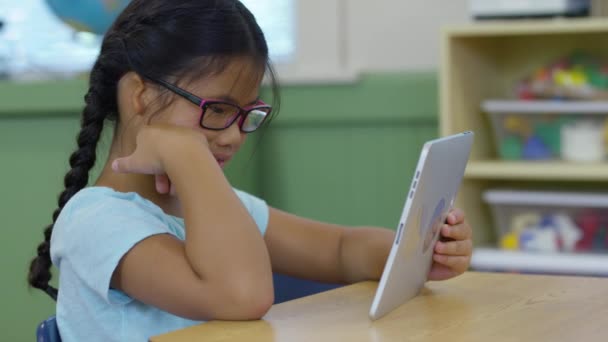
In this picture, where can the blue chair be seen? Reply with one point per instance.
(285, 288)
(288, 288)
(47, 331)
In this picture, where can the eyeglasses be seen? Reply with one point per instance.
(218, 114)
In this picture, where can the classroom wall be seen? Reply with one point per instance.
(398, 34)
(342, 153)
(352, 36)
(345, 154)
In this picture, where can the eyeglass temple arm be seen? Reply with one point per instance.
(189, 96)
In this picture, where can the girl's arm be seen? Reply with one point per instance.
(222, 270)
(337, 254)
(325, 252)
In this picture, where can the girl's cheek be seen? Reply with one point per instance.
(189, 121)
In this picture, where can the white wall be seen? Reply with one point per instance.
(338, 39)
(398, 34)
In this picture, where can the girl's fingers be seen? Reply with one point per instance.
(456, 263)
(162, 184)
(123, 165)
(172, 189)
(136, 163)
(441, 272)
(455, 216)
(131, 164)
(457, 232)
(456, 248)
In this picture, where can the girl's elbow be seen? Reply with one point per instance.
(243, 301)
(258, 308)
(253, 303)
(233, 305)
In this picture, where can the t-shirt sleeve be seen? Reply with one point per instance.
(94, 238)
(257, 208)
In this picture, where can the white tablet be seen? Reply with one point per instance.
(432, 193)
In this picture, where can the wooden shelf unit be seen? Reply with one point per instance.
(483, 61)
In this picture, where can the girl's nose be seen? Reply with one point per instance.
(231, 136)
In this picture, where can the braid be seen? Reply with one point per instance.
(81, 162)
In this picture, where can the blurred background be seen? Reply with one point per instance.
(364, 85)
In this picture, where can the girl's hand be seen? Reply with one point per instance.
(164, 185)
(153, 144)
(452, 254)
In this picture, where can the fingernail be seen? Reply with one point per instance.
(115, 165)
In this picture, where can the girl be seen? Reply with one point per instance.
(162, 241)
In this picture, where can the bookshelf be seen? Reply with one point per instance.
(483, 61)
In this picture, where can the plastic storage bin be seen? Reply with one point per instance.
(550, 221)
(549, 130)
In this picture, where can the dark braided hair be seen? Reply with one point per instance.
(157, 39)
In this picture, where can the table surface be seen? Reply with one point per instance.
(471, 307)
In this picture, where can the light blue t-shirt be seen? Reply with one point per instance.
(95, 229)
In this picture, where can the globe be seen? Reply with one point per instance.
(94, 16)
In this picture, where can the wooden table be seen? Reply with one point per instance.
(472, 307)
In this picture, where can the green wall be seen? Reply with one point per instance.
(341, 153)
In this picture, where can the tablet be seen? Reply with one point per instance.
(431, 195)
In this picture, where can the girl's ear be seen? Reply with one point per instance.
(134, 94)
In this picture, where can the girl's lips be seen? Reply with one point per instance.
(222, 160)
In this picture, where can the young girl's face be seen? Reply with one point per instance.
(239, 84)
